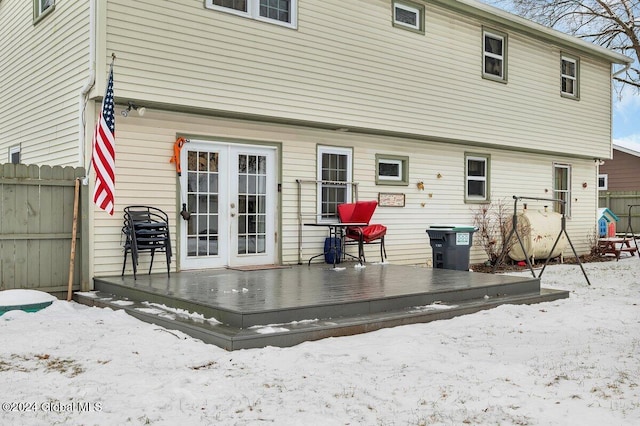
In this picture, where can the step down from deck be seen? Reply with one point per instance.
(284, 307)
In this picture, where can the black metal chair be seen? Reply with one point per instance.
(145, 229)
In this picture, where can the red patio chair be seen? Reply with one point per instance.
(361, 212)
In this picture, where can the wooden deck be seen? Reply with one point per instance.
(283, 307)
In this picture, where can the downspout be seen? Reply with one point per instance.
(86, 267)
(84, 92)
(627, 65)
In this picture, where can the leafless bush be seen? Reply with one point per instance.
(493, 221)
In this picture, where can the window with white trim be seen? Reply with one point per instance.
(477, 178)
(408, 15)
(603, 182)
(562, 188)
(335, 177)
(281, 12)
(14, 154)
(42, 8)
(569, 77)
(494, 54)
(392, 170)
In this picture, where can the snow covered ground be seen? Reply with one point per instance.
(569, 362)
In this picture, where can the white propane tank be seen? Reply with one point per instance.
(538, 230)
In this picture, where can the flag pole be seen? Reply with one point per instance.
(104, 151)
(85, 180)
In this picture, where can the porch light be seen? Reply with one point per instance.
(132, 106)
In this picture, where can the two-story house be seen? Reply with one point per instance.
(294, 106)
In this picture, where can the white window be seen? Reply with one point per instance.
(334, 180)
(562, 188)
(14, 154)
(603, 182)
(477, 181)
(569, 77)
(281, 12)
(42, 8)
(494, 55)
(392, 170)
(408, 15)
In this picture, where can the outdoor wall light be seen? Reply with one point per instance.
(132, 106)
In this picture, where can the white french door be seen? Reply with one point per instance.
(230, 191)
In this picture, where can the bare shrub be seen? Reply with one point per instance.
(493, 221)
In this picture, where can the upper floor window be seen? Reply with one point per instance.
(334, 180)
(281, 12)
(477, 178)
(569, 76)
(42, 8)
(562, 188)
(408, 15)
(14, 154)
(494, 55)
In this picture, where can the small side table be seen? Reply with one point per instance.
(336, 233)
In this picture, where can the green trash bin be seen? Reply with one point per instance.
(451, 246)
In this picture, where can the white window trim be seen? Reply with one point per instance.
(253, 12)
(338, 151)
(605, 178)
(416, 11)
(39, 11)
(573, 94)
(392, 178)
(565, 191)
(14, 150)
(503, 76)
(484, 178)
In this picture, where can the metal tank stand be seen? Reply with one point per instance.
(514, 230)
(629, 230)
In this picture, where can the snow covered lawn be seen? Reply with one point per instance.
(569, 362)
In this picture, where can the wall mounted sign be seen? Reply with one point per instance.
(390, 199)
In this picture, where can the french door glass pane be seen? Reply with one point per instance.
(202, 202)
(252, 171)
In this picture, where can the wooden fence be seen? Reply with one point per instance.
(618, 202)
(36, 220)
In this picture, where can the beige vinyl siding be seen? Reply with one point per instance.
(42, 68)
(340, 72)
(145, 176)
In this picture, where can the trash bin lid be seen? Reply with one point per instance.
(453, 228)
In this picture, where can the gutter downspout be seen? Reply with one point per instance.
(84, 92)
(627, 65)
(86, 267)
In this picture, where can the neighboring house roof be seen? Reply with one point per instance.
(626, 149)
(491, 13)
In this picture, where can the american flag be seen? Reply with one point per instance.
(104, 153)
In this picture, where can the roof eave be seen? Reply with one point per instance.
(508, 20)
